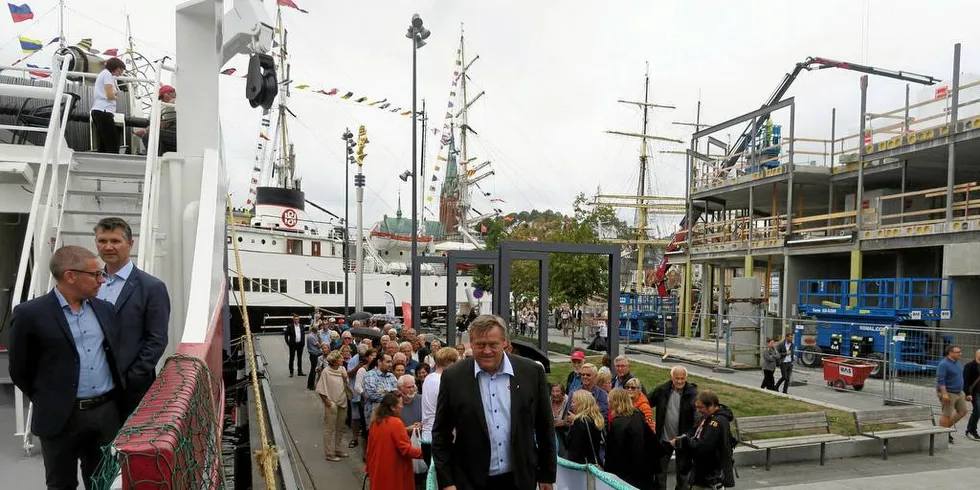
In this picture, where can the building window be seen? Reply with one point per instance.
(294, 247)
(265, 285)
(340, 288)
(247, 284)
(333, 287)
(316, 287)
(308, 286)
(282, 286)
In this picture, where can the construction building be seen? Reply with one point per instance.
(898, 198)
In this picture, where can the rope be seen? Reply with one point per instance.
(267, 456)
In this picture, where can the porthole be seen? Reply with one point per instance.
(401, 253)
(239, 239)
(273, 242)
(464, 284)
(263, 241)
(387, 283)
(406, 284)
(436, 285)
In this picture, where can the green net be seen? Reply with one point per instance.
(172, 441)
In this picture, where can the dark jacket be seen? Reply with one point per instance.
(143, 311)
(617, 384)
(971, 375)
(44, 361)
(659, 397)
(584, 439)
(783, 351)
(708, 449)
(289, 335)
(464, 459)
(626, 455)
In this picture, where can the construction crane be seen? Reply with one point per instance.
(809, 64)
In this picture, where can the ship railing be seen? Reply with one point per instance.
(151, 178)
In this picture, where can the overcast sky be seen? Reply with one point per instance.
(552, 72)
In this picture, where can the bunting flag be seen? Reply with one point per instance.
(85, 44)
(111, 52)
(20, 13)
(38, 74)
(372, 104)
(497, 200)
(228, 71)
(263, 136)
(441, 158)
(302, 87)
(29, 45)
(347, 95)
(291, 4)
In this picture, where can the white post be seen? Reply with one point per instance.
(359, 250)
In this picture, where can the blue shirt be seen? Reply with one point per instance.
(114, 283)
(949, 374)
(495, 394)
(94, 376)
(601, 399)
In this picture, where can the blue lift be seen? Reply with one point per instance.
(647, 317)
(852, 317)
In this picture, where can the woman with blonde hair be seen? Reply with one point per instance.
(334, 390)
(634, 389)
(586, 431)
(626, 444)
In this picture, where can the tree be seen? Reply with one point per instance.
(573, 278)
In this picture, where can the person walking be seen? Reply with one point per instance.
(769, 361)
(333, 387)
(293, 335)
(493, 426)
(786, 351)
(444, 357)
(62, 356)
(708, 444)
(142, 306)
(971, 378)
(949, 388)
(389, 449)
(314, 347)
(586, 431)
(674, 402)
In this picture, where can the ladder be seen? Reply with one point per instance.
(696, 320)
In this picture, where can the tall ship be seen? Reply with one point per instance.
(293, 262)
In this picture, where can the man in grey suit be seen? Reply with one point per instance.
(142, 307)
(63, 348)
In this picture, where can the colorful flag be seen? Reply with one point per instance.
(228, 71)
(291, 4)
(406, 113)
(302, 87)
(347, 95)
(263, 136)
(29, 45)
(385, 105)
(378, 102)
(441, 158)
(85, 44)
(111, 52)
(360, 99)
(332, 91)
(38, 74)
(20, 13)
(497, 200)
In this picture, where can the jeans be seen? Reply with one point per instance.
(785, 372)
(971, 426)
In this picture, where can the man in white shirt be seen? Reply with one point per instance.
(443, 358)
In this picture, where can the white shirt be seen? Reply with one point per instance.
(430, 395)
(495, 395)
(298, 330)
(603, 331)
(789, 357)
(99, 101)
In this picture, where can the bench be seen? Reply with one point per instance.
(748, 427)
(903, 415)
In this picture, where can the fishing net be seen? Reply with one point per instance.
(173, 439)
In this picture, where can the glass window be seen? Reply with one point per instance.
(308, 286)
(247, 284)
(340, 288)
(282, 286)
(333, 287)
(316, 287)
(234, 283)
(274, 285)
(265, 285)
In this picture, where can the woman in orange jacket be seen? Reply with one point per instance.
(635, 391)
(389, 450)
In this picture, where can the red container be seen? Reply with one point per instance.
(840, 372)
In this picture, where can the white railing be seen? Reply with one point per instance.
(151, 180)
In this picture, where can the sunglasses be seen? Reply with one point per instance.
(632, 388)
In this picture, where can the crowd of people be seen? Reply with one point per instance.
(487, 418)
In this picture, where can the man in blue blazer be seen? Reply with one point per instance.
(63, 352)
(142, 307)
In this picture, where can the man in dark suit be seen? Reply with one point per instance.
(499, 407)
(142, 307)
(62, 356)
(786, 351)
(293, 334)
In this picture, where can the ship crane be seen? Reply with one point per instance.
(809, 64)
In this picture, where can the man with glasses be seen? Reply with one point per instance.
(949, 387)
(63, 349)
(142, 306)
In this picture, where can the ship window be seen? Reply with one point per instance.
(464, 284)
(309, 286)
(333, 249)
(247, 284)
(386, 252)
(228, 239)
(294, 247)
(265, 285)
(239, 239)
(387, 283)
(316, 287)
(436, 285)
(401, 252)
(315, 248)
(234, 283)
(273, 242)
(406, 284)
(274, 285)
(282, 286)
(333, 287)
(340, 288)
(263, 241)
(323, 287)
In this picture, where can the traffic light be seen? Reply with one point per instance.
(362, 141)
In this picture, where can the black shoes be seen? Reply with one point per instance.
(973, 435)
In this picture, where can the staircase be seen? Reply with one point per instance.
(101, 185)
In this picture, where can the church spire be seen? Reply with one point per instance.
(398, 212)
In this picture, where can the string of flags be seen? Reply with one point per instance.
(430, 193)
(382, 104)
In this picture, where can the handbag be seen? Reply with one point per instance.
(418, 465)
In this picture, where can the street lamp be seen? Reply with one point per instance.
(418, 34)
(348, 138)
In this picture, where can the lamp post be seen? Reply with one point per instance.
(362, 141)
(418, 34)
(348, 138)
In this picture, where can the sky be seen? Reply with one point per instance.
(552, 72)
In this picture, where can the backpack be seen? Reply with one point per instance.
(728, 471)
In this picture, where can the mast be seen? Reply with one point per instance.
(463, 203)
(61, 25)
(283, 170)
(421, 204)
(641, 225)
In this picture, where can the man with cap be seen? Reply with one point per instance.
(574, 380)
(168, 123)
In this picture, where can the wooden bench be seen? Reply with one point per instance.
(747, 427)
(865, 419)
